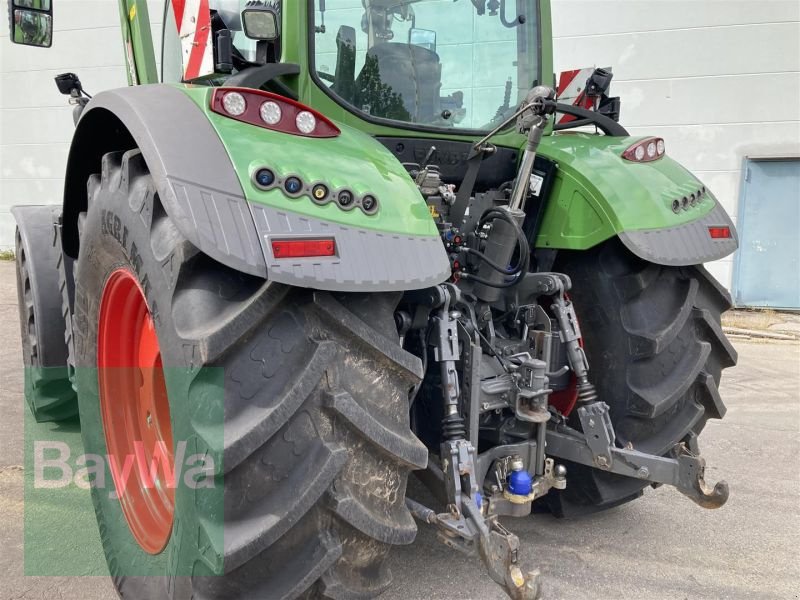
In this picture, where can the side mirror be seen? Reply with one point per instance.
(31, 22)
(422, 37)
(260, 25)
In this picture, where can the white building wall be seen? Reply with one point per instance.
(35, 120)
(719, 80)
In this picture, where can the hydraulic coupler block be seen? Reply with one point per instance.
(519, 482)
(517, 488)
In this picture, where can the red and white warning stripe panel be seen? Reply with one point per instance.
(572, 90)
(194, 29)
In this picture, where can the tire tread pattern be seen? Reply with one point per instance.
(656, 351)
(316, 446)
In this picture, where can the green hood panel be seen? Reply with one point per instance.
(598, 194)
(353, 160)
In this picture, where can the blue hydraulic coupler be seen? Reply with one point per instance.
(520, 483)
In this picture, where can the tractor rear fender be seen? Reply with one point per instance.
(659, 210)
(192, 172)
(203, 166)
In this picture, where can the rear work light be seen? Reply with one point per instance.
(303, 248)
(719, 233)
(647, 150)
(271, 111)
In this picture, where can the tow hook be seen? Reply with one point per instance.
(693, 484)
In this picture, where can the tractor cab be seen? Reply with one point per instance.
(435, 65)
(392, 61)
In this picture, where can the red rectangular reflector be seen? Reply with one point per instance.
(303, 248)
(719, 233)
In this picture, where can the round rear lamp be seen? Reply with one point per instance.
(639, 153)
(234, 104)
(660, 147)
(271, 113)
(651, 150)
(305, 121)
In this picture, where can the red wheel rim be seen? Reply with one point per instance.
(135, 411)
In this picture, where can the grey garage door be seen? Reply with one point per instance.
(768, 263)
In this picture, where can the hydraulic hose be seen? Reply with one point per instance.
(482, 281)
(505, 271)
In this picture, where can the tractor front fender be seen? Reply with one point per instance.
(193, 174)
(659, 210)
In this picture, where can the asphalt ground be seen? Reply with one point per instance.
(661, 546)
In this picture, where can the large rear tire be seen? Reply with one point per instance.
(300, 398)
(656, 351)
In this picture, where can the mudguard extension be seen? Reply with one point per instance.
(682, 245)
(200, 191)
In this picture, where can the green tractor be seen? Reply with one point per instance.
(333, 242)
